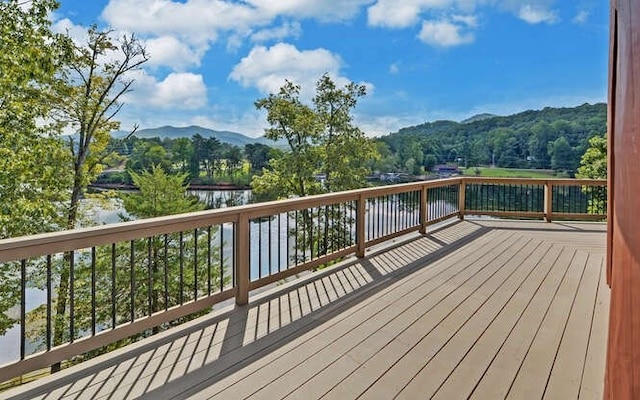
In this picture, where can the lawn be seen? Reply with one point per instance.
(512, 173)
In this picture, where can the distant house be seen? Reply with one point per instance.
(446, 170)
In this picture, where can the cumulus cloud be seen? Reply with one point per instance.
(172, 52)
(443, 33)
(581, 17)
(267, 68)
(401, 14)
(184, 90)
(292, 29)
(534, 14)
(394, 68)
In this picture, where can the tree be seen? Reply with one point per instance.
(159, 194)
(345, 148)
(33, 162)
(322, 141)
(296, 123)
(593, 164)
(258, 155)
(561, 155)
(97, 76)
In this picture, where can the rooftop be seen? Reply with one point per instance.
(480, 308)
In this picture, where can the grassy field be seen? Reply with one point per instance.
(512, 173)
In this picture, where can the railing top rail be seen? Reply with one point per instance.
(537, 181)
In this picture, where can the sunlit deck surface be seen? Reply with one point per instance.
(480, 309)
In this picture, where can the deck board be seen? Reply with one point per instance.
(480, 309)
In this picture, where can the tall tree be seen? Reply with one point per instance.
(346, 149)
(593, 164)
(322, 142)
(33, 162)
(97, 77)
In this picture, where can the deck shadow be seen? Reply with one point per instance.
(234, 354)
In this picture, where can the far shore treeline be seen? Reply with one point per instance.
(550, 139)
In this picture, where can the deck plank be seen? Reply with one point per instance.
(483, 309)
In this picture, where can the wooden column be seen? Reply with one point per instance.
(462, 193)
(622, 379)
(243, 249)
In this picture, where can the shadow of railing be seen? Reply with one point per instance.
(183, 360)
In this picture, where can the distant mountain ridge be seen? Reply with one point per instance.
(172, 132)
(478, 117)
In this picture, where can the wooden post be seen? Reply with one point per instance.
(548, 201)
(242, 251)
(361, 210)
(424, 210)
(462, 193)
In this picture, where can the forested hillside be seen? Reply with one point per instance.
(552, 138)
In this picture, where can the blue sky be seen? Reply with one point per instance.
(422, 60)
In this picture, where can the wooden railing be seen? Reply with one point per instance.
(75, 291)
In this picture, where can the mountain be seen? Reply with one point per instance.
(478, 117)
(551, 138)
(171, 132)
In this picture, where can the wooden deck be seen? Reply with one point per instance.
(480, 309)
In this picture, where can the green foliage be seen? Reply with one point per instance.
(321, 140)
(593, 164)
(326, 152)
(96, 78)
(34, 174)
(159, 194)
(524, 140)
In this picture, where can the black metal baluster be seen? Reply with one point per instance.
(166, 272)
(149, 277)
(23, 308)
(72, 297)
(113, 285)
(49, 288)
(279, 242)
(221, 252)
(259, 247)
(93, 291)
(209, 259)
(132, 281)
(181, 278)
(269, 253)
(195, 264)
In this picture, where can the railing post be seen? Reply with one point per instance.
(242, 251)
(548, 201)
(361, 210)
(462, 193)
(424, 210)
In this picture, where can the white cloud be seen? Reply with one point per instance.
(380, 125)
(185, 91)
(172, 52)
(394, 68)
(292, 29)
(77, 32)
(323, 10)
(444, 33)
(581, 17)
(198, 21)
(266, 69)
(401, 14)
(534, 14)
(470, 20)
